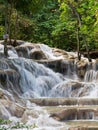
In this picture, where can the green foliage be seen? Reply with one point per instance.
(28, 7)
(52, 22)
(3, 128)
(4, 122)
(18, 125)
(70, 10)
(1, 31)
(19, 15)
(46, 21)
(64, 37)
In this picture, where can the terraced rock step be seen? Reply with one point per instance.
(70, 108)
(65, 101)
(84, 128)
(82, 125)
(66, 113)
(76, 113)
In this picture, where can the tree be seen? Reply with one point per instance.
(16, 7)
(46, 20)
(68, 25)
(24, 9)
(79, 17)
(5, 36)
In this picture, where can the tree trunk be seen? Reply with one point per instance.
(6, 31)
(78, 45)
(9, 21)
(15, 29)
(5, 48)
(87, 49)
(79, 24)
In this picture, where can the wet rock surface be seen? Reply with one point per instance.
(48, 87)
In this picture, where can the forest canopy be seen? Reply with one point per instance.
(66, 24)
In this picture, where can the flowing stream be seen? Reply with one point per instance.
(23, 79)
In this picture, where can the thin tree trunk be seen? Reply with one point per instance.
(9, 21)
(6, 31)
(78, 28)
(15, 29)
(78, 45)
(87, 49)
(84, 39)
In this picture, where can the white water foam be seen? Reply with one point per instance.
(48, 52)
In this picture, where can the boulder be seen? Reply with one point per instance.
(13, 108)
(22, 51)
(67, 114)
(82, 67)
(37, 54)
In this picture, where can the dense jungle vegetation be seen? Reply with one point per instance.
(66, 24)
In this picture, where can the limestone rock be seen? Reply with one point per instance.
(67, 114)
(37, 54)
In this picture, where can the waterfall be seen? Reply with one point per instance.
(91, 76)
(68, 68)
(25, 80)
(35, 80)
(48, 52)
(32, 77)
(61, 90)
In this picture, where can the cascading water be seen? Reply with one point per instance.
(35, 77)
(22, 80)
(91, 76)
(48, 52)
